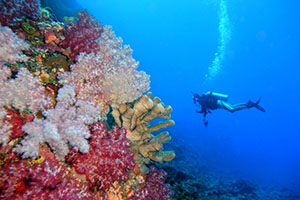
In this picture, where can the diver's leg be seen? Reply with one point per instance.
(232, 108)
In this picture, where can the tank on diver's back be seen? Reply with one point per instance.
(219, 96)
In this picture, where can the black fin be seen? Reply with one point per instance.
(258, 106)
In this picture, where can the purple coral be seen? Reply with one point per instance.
(11, 46)
(110, 75)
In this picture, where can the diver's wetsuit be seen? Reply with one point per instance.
(211, 101)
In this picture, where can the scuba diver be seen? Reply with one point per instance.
(212, 100)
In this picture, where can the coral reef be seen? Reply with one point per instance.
(136, 118)
(59, 82)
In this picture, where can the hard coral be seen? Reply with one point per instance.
(81, 34)
(136, 118)
(108, 158)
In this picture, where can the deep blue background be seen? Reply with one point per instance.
(175, 42)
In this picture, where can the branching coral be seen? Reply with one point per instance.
(64, 125)
(11, 46)
(110, 76)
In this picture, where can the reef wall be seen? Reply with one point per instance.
(74, 120)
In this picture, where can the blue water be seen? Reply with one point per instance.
(176, 43)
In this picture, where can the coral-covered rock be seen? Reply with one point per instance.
(81, 34)
(108, 158)
(13, 12)
(154, 187)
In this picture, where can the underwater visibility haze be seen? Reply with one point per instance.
(246, 49)
(76, 100)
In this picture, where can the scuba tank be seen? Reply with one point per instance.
(219, 96)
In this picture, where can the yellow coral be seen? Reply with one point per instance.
(136, 118)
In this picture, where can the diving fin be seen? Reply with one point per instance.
(252, 104)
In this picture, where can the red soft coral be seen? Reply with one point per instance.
(108, 158)
(81, 34)
(16, 121)
(154, 187)
(46, 180)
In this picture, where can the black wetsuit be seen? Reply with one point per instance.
(206, 101)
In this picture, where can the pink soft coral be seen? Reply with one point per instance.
(109, 76)
(11, 46)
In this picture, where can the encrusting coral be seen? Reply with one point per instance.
(136, 118)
